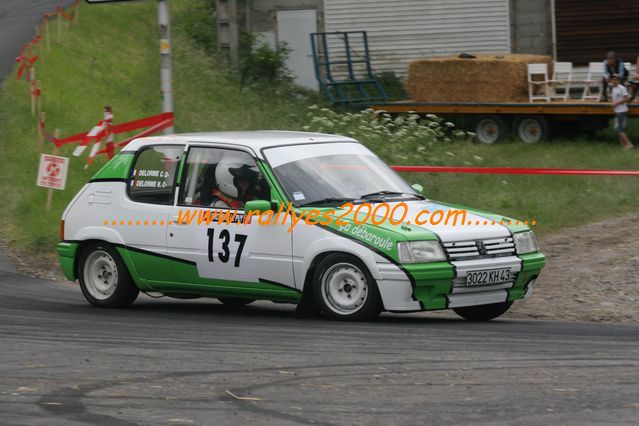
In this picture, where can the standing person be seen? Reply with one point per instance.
(612, 65)
(619, 103)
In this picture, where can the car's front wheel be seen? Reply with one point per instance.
(483, 312)
(345, 290)
(104, 279)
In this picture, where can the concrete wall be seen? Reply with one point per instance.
(260, 15)
(234, 17)
(531, 26)
(400, 31)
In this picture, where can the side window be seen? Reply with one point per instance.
(153, 176)
(221, 178)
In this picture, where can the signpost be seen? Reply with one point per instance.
(52, 172)
(166, 78)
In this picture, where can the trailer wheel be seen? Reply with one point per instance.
(531, 129)
(490, 129)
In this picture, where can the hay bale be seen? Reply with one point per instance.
(487, 78)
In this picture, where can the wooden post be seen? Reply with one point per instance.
(32, 85)
(38, 98)
(56, 134)
(58, 17)
(40, 51)
(40, 140)
(47, 33)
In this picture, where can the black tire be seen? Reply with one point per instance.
(490, 129)
(235, 301)
(483, 312)
(122, 291)
(357, 289)
(531, 128)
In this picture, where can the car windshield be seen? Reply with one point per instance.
(331, 174)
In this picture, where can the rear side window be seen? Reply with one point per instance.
(153, 175)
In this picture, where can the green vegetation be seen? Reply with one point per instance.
(393, 85)
(261, 64)
(405, 137)
(555, 202)
(111, 58)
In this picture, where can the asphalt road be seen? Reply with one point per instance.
(164, 361)
(18, 19)
(179, 362)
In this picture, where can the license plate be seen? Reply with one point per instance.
(489, 276)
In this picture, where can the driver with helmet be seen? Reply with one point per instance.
(237, 183)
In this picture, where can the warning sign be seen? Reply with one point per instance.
(53, 171)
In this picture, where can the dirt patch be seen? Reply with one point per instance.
(43, 265)
(592, 274)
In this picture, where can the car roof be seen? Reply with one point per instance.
(255, 140)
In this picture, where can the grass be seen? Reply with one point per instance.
(111, 58)
(555, 202)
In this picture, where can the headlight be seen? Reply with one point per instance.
(420, 252)
(525, 242)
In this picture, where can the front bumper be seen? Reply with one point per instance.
(442, 285)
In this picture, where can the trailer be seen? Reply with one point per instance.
(530, 122)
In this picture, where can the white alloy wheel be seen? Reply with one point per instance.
(344, 288)
(100, 275)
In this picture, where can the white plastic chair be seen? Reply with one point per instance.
(538, 70)
(595, 73)
(561, 79)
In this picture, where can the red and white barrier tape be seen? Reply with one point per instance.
(514, 170)
(110, 148)
(25, 64)
(107, 131)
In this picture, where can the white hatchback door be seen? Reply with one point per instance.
(212, 184)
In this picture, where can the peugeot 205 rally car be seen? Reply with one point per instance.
(211, 215)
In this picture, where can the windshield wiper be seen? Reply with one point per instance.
(385, 193)
(328, 200)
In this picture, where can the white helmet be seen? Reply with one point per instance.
(224, 178)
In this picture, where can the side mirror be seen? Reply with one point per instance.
(257, 205)
(417, 187)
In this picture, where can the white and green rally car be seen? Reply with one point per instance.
(125, 232)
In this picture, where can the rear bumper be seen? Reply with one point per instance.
(66, 254)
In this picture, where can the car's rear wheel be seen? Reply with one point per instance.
(235, 301)
(345, 290)
(483, 312)
(104, 279)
